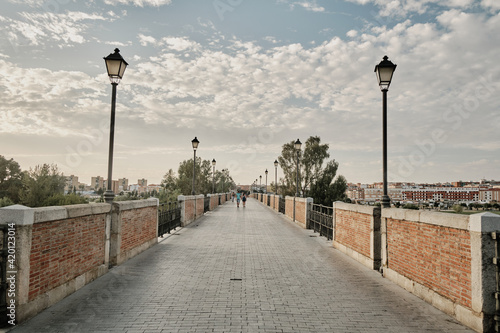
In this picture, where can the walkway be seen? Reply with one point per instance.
(242, 270)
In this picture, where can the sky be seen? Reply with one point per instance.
(246, 77)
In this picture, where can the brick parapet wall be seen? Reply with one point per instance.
(200, 202)
(61, 249)
(446, 259)
(356, 232)
(135, 226)
(437, 257)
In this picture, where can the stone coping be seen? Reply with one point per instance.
(456, 221)
(363, 209)
(28, 216)
(136, 204)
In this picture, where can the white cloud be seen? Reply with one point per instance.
(139, 3)
(309, 5)
(35, 28)
(402, 8)
(492, 5)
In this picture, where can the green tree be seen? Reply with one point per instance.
(315, 178)
(325, 191)
(41, 183)
(5, 201)
(10, 179)
(311, 161)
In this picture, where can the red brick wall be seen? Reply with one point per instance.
(435, 256)
(300, 211)
(353, 229)
(289, 207)
(189, 210)
(138, 227)
(200, 208)
(64, 249)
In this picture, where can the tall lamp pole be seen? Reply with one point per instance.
(266, 180)
(195, 144)
(276, 176)
(260, 183)
(213, 176)
(115, 66)
(384, 70)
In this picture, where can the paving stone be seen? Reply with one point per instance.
(290, 282)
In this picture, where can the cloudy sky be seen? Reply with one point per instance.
(247, 76)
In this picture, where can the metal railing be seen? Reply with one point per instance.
(206, 204)
(321, 220)
(169, 217)
(282, 205)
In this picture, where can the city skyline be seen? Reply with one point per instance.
(247, 77)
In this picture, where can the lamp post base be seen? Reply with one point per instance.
(109, 196)
(386, 201)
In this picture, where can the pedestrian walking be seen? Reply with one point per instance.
(232, 196)
(238, 195)
(244, 199)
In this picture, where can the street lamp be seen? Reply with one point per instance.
(276, 176)
(195, 144)
(260, 183)
(213, 176)
(266, 180)
(384, 70)
(298, 145)
(115, 65)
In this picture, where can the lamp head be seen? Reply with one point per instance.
(384, 70)
(298, 144)
(195, 143)
(115, 65)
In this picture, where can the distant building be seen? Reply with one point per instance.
(488, 195)
(71, 182)
(122, 184)
(142, 182)
(97, 183)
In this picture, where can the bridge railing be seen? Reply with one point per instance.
(320, 219)
(169, 217)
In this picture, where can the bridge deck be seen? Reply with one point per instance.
(242, 270)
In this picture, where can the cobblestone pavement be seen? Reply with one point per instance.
(242, 270)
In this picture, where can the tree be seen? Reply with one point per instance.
(10, 179)
(325, 191)
(311, 160)
(41, 183)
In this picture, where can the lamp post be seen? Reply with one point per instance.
(384, 70)
(260, 183)
(115, 65)
(213, 176)
(266, 180)
(276, 176)
(195, 144)
(298, 145)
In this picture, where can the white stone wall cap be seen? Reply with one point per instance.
(484, 222)
(19, 214)
(445, 219)
(45, 214)
(363, 209)
(434, 218)
(80, 210)
(181, 197)
(135, 204)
